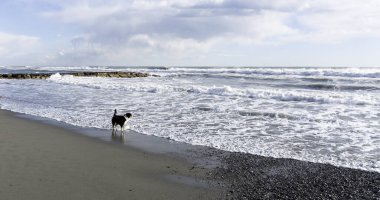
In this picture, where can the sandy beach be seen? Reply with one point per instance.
(40, 161)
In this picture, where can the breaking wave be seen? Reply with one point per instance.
(275, 94)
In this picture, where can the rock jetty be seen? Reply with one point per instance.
(86, 74)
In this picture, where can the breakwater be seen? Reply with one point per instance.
(83, 74)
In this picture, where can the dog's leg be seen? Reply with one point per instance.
(115, 129)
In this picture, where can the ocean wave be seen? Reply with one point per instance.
(267, 114)
(104, 83)
(313, 86)
(314, 83)
(317, 79)
(285, 95)
(284, 71)
(332, 87)
(319, 73)
(154, 87)
(358, 87)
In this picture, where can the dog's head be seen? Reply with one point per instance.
(128, 115)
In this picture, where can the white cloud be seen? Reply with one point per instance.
(337, 21)
(82, 13)
(182, 27)
(12, 45)
(202, 17)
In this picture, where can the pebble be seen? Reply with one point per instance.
(256, 177)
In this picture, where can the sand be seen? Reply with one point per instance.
(42, 161)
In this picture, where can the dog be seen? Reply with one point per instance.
(119, 120)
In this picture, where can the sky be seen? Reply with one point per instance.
(190, 32)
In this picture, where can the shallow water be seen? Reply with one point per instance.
(327, 115)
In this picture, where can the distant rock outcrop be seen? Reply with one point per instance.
(86, 74)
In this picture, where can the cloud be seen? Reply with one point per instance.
(173, 27)
(338, 21)
(13, 45)
(181, 19)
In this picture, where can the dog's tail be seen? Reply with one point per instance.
(114, 113)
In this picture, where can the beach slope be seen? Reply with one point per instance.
(39, 161)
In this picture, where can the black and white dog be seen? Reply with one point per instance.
(119, 120)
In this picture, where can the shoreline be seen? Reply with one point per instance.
(229, 175)
(43, 161)
(194, 154)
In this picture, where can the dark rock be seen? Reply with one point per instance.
(86, 74)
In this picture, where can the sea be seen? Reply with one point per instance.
(318, 114)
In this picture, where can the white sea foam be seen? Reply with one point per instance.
(276, 94)
(327, 72)
(329, 126)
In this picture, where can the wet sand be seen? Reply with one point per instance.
(42, 161)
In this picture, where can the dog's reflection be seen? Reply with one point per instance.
(118, 137)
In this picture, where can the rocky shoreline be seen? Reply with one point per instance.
(248, 176)
(83, 74)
